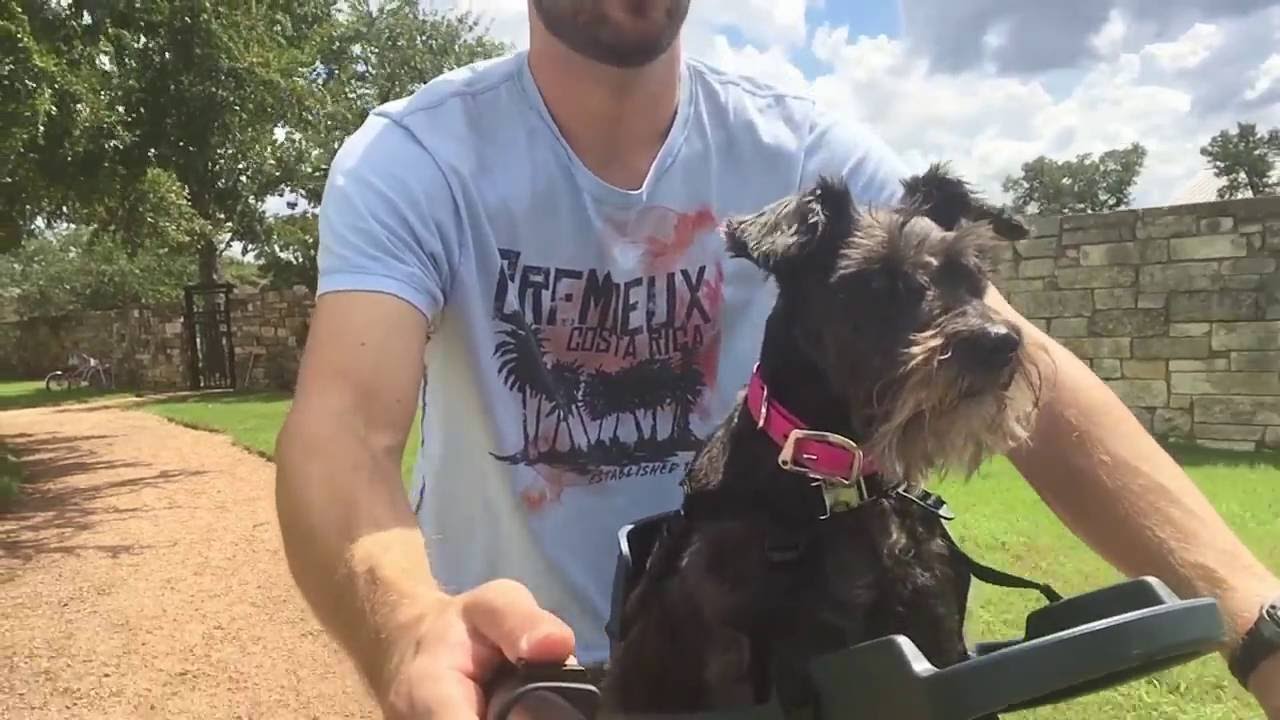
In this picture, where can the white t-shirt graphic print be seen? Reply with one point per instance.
(587, 337)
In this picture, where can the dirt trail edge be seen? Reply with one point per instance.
(142, 577)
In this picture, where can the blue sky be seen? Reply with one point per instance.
(872, 17)
(989, 85)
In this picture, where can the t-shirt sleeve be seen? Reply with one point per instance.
(838, 146)
(388, 219)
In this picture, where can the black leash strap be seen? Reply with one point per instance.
(985, 573)
(992, 576)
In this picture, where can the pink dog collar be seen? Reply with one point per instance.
(831, 458)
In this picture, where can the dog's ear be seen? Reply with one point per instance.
(945, 198)
(794, 228)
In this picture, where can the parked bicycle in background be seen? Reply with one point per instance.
(82, 369)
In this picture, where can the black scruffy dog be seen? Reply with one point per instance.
(801, 534)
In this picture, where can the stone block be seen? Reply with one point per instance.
(1221, 305)
(1272, 438)
(1153, 251)
(1039, 247)
(1053, 303)
(1045, 225)
(1249, 266)
(1005, 270)
(1012, 286)
(1112, 254)
(1170, 348)
(1189, 329)
(1256, 240)
(1228, 432)
(1225, 383)
(1246, 336)
(1180, 402)
(1238, 410)
(1217, 225)
(1115, 298)
(1141, 393)
(1068, 261)
(1259, 208)
(1096, 277)
(1250, 227)
(1273, 235)
(1095, 236)
(1185, 277)
(1242, 282)
(1255, 361)
(1208, 246)
(1107, 368)
(1172, 423)
(1000, 251)
(1144, 416)
(1128, 323)
(1168, 226)
(1040, 323)
(173, 328)
(268, 332)
(1144, 369)
(1149, 301)
(1040, 268)
(1210, 365)
(1091, 348)
(1231, 445)
(1088, 221)
(1069, 327)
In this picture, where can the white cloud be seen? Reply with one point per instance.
(1188, 51)
(1266, 77)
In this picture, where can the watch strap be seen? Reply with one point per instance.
(1260, 642)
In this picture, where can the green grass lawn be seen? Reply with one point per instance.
(1001, 522)
(32, 393)
(251, 419)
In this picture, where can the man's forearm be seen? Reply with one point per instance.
(1113, 485)
(351, 541)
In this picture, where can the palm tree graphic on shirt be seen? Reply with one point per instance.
(580, 419)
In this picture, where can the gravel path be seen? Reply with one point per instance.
(142, 577)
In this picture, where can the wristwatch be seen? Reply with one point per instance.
(1258, 643)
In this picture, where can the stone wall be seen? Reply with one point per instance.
(1176, 308)
(147, 346)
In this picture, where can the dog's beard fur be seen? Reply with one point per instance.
(929, 422)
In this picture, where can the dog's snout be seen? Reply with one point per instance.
(990, 347)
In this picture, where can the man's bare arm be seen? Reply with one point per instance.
(1113, 485)
(349, 533)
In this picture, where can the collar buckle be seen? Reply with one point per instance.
(787, 457)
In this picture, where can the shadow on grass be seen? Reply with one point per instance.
(57, 505)
(21, 398)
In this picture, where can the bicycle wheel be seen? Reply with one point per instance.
(97, 379)
(56, 380)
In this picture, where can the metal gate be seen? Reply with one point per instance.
(207, 329)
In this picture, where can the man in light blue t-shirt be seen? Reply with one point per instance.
(549, 221)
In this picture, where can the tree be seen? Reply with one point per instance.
(369, 54)
(1086, 184)
(1245, 160)
(138, 253)
(60, 123)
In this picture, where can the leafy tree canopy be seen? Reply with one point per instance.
(1245, 160)
(1085, 184)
